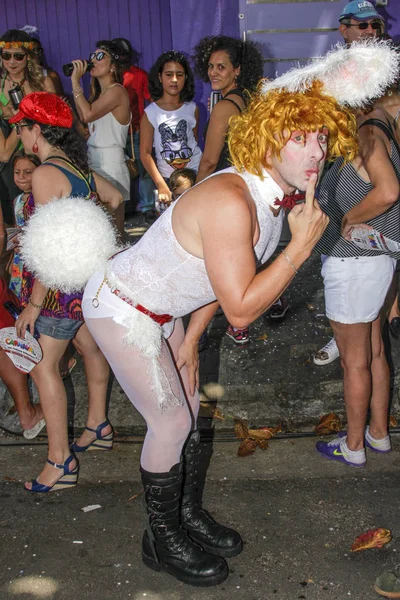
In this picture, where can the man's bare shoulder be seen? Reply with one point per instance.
(224, 187)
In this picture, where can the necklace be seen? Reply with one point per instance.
(18, 83)
(108, 88)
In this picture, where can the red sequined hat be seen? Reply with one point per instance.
(45, 108)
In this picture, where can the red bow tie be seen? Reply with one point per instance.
(289, 201)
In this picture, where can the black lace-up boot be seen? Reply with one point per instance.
(200, 525)
(166, 546)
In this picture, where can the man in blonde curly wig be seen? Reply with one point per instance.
(258, 136)
(205, 251)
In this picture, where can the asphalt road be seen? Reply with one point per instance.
(298, 515)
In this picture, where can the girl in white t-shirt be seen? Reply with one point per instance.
(169, 124)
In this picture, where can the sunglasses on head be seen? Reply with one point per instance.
(96, 56)
(377, 25)
(19, 56)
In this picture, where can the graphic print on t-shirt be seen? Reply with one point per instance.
(175, 150)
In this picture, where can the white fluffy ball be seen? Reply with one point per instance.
(66, 241)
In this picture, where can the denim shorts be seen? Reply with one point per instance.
(59, 329)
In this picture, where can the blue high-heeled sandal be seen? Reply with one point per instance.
(68, 480)
(100, 443)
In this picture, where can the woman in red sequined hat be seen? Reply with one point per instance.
(44, 124)
(18, 70)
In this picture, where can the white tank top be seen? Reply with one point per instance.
(159, 274)
(174, 142)
(107, 132)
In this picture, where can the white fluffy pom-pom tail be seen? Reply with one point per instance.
(66, 241)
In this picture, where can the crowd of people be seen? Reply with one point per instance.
(211, 250)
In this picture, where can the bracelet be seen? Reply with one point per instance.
(289, 260)
(77, 91)
(35, 305)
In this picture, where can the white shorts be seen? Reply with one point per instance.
(356, 287)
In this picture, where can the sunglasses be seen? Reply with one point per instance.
(19, 56)
(96, 56)
(377, 25)
(19, 126)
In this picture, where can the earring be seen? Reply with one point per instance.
(29, 66)
(35, 148)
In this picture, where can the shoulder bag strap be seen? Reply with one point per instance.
(131, 135)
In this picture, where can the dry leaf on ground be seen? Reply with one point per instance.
(330, 423)
(136, 495)
(210, 411)
(260, 434)
(241, 429)
(262, 338)
(273, 430)
(263, 444)
(264, 433)
(393, 421)
(247, 447)
(374, 538)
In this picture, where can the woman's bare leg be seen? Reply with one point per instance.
(66, 362)
(394, 310)
(17, 384)
(46, 376)
(354, 343)
(380, 384)
(97, 374)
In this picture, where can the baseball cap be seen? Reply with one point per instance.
(45, 108)
(360, 10)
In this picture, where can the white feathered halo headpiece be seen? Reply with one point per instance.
(354, 76)
(67, 240)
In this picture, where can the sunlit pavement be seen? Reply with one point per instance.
(297, 513)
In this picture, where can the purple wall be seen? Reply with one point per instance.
(391, 15)
(70, 28)
(206, 18)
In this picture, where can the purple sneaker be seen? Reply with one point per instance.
(382, 446)
(336, 450)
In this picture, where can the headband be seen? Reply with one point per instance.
(25, 45)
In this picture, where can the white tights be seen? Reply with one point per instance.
(166, 431)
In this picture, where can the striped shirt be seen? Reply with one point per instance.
(341, 189)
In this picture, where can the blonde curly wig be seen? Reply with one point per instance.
(265, 126)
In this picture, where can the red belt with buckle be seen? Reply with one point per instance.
(160, 319)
